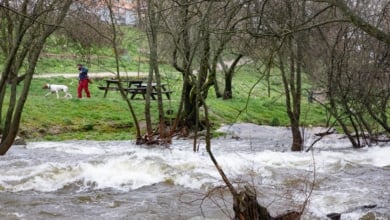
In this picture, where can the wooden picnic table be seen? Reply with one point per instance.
(140, 89)
(135, 87)
(113, 85)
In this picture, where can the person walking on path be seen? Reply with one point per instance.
(83, 81)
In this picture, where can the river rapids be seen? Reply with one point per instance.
(120, 180)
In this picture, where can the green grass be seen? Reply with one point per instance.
(98, 118)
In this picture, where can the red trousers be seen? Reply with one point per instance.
(83, 84)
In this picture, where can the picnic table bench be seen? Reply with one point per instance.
(142, 89)
(135, 87)
(113, 85)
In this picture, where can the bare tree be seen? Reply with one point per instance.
(152, 27)
(291, 27)
(279, 23)
(113, 38)
(353, 66)
(198, 33)
(27, 26)
(245, 204)
(85, 28)
(382, 34)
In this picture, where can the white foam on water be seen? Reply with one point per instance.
(83, 148)
(42, 177)
(142, 167)
(122, 173)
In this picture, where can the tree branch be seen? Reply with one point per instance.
(359, 21)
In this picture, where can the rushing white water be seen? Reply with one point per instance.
(119, 180)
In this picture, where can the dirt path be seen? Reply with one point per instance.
(91, 74)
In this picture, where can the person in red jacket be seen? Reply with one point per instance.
(83, 81)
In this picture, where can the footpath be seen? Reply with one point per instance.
(91, 75)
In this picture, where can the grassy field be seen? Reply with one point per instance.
(98, 118)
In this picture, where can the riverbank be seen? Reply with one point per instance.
(108, 118)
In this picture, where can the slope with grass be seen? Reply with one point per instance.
(98, 118)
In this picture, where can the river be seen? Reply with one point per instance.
(120, 180)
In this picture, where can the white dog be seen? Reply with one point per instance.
(56, 89)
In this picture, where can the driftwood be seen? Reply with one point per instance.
(327, 132)
(376, 139)
(337, 216)
(334, 216)
(320, 135)
(246, 207)
(289, 215)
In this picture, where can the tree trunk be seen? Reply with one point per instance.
(153, 45)
(116, 53)
(229, 72)
(228, 93)
(246, 207)
(291, 104)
